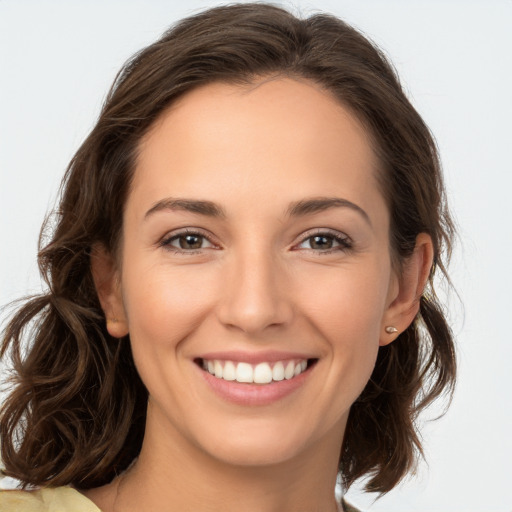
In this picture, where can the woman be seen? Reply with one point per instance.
(241, 301)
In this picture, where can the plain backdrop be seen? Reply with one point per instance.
(58, 58)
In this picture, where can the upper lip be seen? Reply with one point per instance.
(254, 357)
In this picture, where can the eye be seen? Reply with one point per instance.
(187, 241)
(325, 242)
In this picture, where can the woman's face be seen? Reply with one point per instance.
(255, 242)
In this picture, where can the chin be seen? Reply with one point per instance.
(256, 455)
(266, 442)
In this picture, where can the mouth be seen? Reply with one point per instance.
(262, 373)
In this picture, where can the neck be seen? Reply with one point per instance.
(172, 475)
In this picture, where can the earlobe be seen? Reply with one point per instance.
(108, 288)
(405, 305)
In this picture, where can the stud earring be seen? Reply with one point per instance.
(390, 329)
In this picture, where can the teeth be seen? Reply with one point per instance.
(218, 369)
(244, 372)
(262, 373)
(278, 371)
(288, 372)
(229, 372)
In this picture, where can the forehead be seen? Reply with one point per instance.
(276, 137)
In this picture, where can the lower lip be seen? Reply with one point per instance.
(254, 394)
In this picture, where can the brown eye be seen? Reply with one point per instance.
(325, 242)
(186, 242)
(321, 242)
(190, 241)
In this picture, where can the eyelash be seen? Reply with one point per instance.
(166, 241)
(345, 244)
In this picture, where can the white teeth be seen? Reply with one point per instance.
(278, 371)
(244, 372)
(218, 369)
(229, 372)
(288, 372)
(262, 373)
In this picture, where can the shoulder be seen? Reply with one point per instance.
(59, 499)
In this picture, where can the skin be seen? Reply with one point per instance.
(258, 282)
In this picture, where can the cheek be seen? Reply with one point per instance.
(350, 303)
(167, 305)
(164, 310)
(348, 316)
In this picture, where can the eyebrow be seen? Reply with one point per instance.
(296, 209)
(320, 204)
(201, 207)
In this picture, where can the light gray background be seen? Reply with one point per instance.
(58, 58)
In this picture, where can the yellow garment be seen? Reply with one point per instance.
(63, 499)
(59, 499)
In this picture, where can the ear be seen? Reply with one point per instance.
(108, 286)
(404, 302)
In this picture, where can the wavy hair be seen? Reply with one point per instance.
(76, 411)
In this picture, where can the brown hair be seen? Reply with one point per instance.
(76, 413)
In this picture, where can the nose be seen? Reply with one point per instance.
(255, 294)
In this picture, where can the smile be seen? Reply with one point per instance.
(261, 373)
